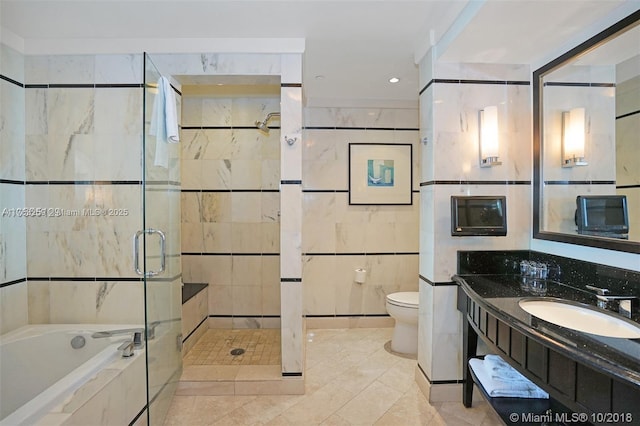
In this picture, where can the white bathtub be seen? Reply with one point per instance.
(42, 375)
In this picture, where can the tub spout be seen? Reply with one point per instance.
(127, 349)
(151, 329)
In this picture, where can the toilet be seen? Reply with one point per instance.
(403, 307)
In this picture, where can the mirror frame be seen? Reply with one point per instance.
(576, 52)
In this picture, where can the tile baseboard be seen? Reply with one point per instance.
(441, 392)
(349, 322)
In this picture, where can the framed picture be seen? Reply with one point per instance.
(380, 173)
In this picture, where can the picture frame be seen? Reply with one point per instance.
(380, 174)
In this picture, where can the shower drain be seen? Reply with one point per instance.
(237, 351)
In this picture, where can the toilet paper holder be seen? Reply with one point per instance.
(361, 274)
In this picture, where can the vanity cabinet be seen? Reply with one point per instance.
(549, 362)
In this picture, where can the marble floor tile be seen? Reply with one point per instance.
(410, 409)
(350, 379)
(370, 404)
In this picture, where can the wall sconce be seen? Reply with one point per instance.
(488, 133)
(573, 136)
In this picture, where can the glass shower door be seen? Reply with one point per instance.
(160, 241)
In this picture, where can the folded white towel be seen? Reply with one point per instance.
(164, 121)
(499, 369)
(509, 388)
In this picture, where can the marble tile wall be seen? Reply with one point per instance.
(291, 290)
(627, 154)
(338, 238)
(226, 64)
(231, 206)
(83, 167)
(451, 96)
(13, 267)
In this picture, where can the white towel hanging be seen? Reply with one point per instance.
(164, 122)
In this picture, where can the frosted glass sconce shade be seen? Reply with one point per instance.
(488, 132)
(573, 138)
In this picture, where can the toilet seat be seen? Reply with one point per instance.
(404, 299)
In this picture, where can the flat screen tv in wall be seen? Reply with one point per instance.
(478, 216)
(602, 215)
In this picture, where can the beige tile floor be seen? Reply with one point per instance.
(261, 346)
(350, 380)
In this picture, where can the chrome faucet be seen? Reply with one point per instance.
(151, 329)
(626, 304)
(127, 349)
(128, 346)
(111, 333)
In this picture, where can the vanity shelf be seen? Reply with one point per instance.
(505, 407)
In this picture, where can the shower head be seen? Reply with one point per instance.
(262, 125)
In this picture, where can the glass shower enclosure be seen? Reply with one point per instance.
(162, 264)
(89, 243)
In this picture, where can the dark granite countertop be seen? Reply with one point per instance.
(499, 294)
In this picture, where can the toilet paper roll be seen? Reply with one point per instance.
(360, 275)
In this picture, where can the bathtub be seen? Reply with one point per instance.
(44, 380)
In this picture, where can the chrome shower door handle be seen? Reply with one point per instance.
(136, 252)
(163, 252)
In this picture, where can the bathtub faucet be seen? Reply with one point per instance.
(127, 349)
(151, 329)
(128, 346)
(111, 333)
(151, 332)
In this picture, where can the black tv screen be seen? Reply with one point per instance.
(478, 215)
(602, 214)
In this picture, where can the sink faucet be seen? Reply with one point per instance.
(626, 304)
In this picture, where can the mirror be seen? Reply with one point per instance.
(586, 130)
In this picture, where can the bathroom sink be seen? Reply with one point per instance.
(580, 317)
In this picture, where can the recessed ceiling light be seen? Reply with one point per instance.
(394, 80)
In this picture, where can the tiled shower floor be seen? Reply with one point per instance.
(261, 347)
